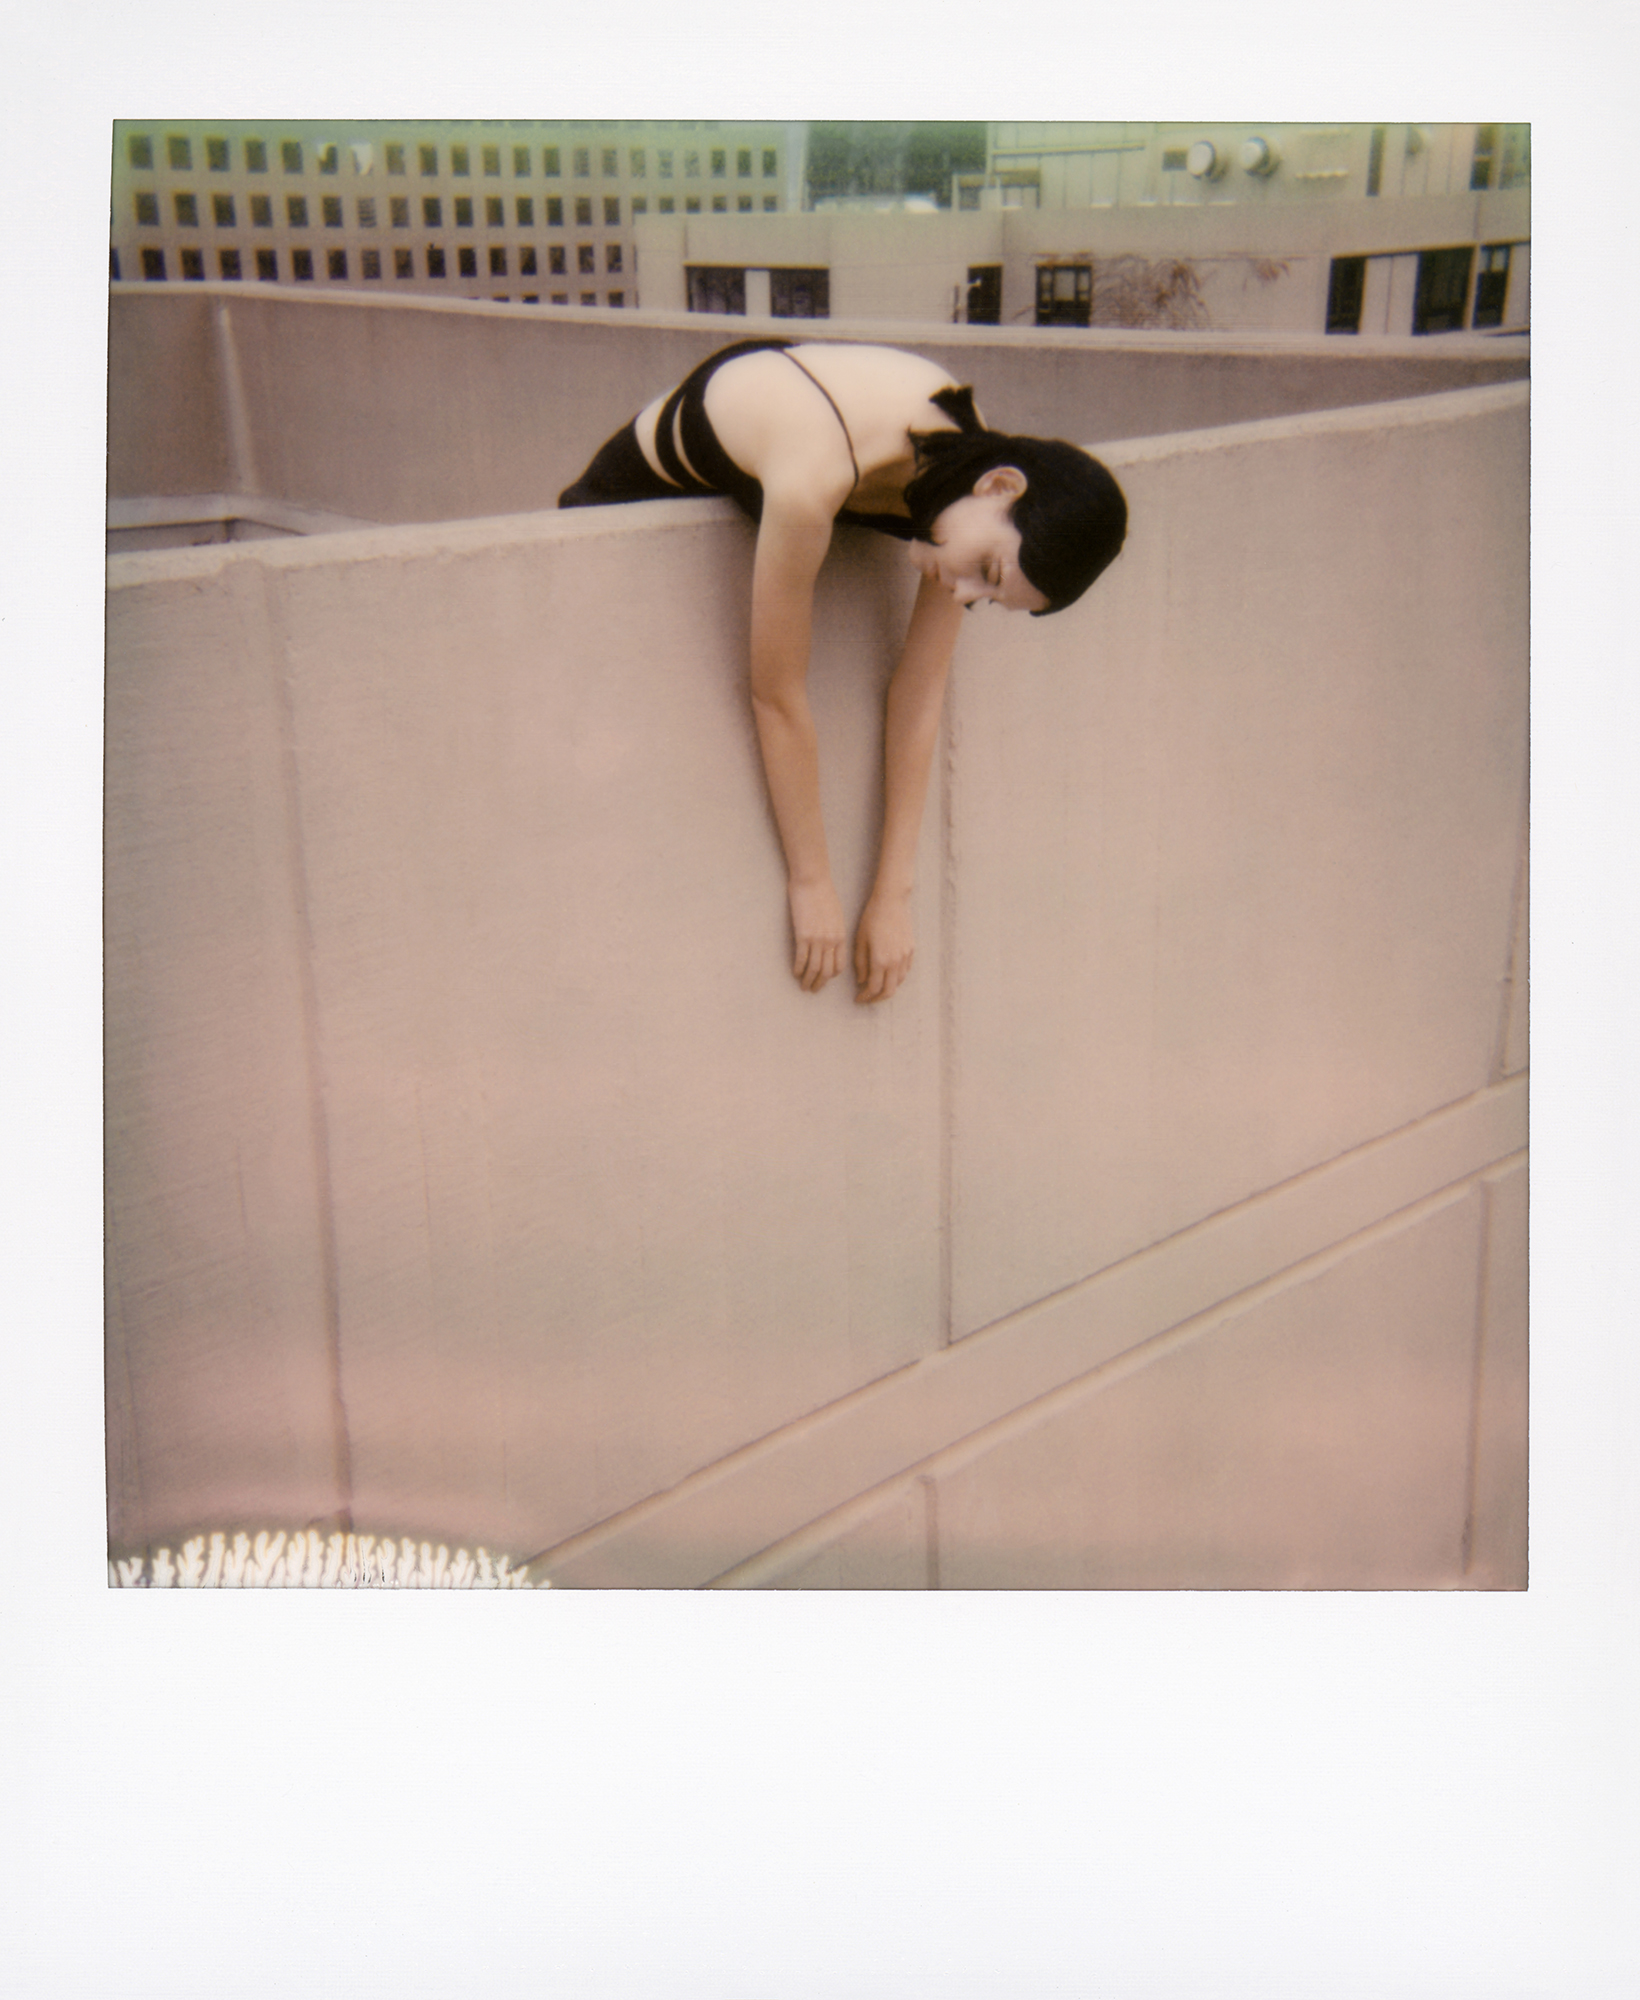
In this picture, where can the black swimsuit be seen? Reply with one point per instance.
(620, 472)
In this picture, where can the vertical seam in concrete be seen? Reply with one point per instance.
(948, 1026)
(931, 1529)
(126, 1501)
(1477, 1381)
(1506, 986)
(318, 1122)
(241, 454)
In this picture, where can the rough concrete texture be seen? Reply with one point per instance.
(1318, 1439)
(474, 1160)
(1264, 838)
(1517, 1020)
(1497, 1546)
(396, 410)
(889, 1548)
(167, 412)
(968, 1398)
(610, 1194)
(614, 1195)
(221, 1374)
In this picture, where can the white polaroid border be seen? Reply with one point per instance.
(1134, 1797)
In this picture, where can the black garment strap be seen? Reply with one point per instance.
(684, 412)
(710, 469)
(837, 413)
(666, 446)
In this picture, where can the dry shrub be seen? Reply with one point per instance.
(1139, 292)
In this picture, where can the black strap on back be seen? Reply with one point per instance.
(710, 469)
(837, 413)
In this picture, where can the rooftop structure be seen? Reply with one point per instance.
(1340, 228)
(476, 1171)
(1347, 229)
(1062, 165)
(525, 210)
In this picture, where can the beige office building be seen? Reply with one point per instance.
(527, 210)
(1230, 228)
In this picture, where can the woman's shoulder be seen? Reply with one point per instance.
(834, 420)
(862, 365)
(851, 367)
(885, 395)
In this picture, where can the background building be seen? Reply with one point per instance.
(1283, 228)
(1133, 165)
(1299, 228)
(530, 210)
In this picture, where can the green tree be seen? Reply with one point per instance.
(883, 157)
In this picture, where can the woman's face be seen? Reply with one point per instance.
(974, 550)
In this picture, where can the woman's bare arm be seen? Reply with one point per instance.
(885, 941)
(792, 540)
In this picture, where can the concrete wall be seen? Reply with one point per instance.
(1258, 267)
(883, 266)
(392, 411)
(1261, 268)
(476, 1170)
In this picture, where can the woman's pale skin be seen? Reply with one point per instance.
(777, 426)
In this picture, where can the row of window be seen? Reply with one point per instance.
(225, 210)
(179, 158)
(1503, 156)
(793, 293)
(231, 264)
(1441, 295)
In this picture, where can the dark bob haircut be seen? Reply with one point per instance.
(1071, 518)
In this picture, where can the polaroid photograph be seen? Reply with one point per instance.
(635, 1060)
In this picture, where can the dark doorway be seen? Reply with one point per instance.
(1443, 290)
(1064, 295)
(1346, 288)
(984, 295)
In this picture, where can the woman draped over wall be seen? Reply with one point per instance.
(804, 436)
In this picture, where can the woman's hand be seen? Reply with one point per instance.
(883, 946)
(819, 935)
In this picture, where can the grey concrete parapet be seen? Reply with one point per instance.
(414, 409)
(477, 1170)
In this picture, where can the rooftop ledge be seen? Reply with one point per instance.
(432, 1203)
(398, 410)
(282, 536)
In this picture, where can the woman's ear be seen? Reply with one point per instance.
(1005, 480)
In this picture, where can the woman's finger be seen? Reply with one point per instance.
(891, 977)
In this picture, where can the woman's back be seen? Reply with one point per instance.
(802, 436)
(810, 417)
